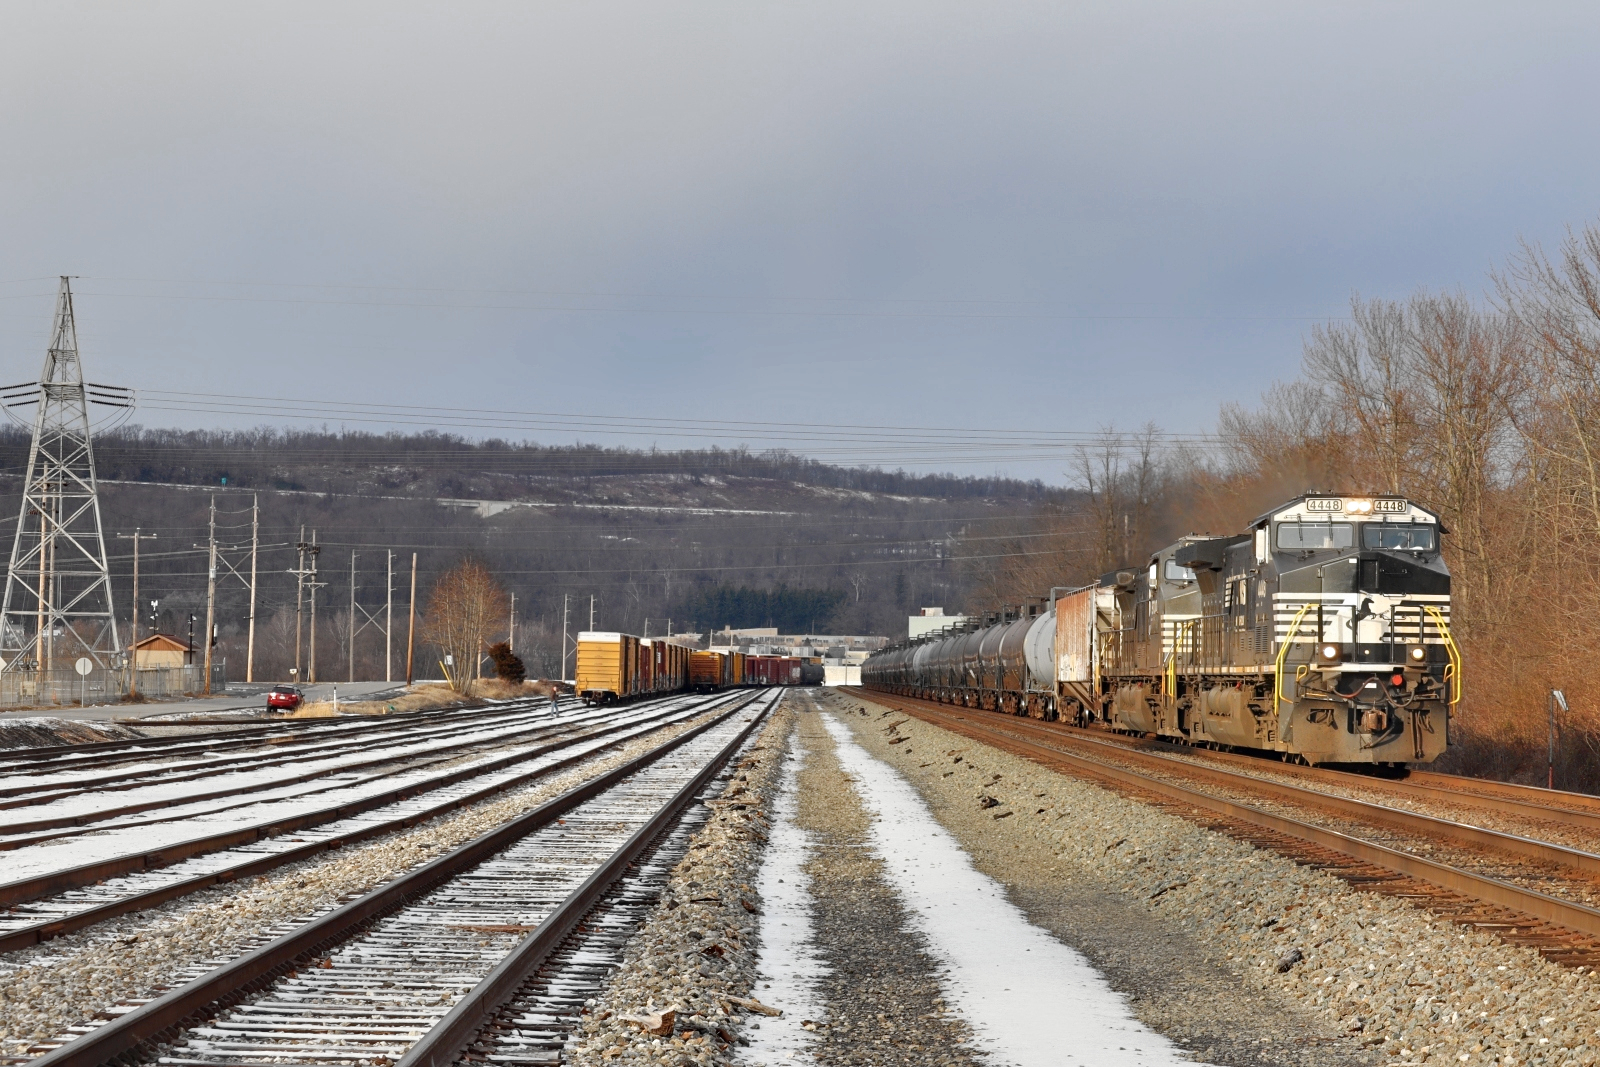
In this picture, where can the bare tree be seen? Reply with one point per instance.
(1558, 306)
(467, 606)
(1466, 370)
(1364, 366)
(1126, 482)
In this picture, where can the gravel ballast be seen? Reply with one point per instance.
(1266, 961)
(63, 983)
(697, 949)
(884, 1003)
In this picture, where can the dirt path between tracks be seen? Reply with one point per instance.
(1174, 983)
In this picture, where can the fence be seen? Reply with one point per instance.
(105, 686)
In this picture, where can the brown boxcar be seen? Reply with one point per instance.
(708, 671)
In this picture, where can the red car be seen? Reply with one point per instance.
(284, 698)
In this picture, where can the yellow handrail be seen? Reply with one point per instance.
(1453, 672)
(1277, 678)
(1172, 660)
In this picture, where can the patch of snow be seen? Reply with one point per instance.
(788, 961)
(1031, 1000)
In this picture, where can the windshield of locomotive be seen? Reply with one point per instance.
(1314, 536)
(1397, 537)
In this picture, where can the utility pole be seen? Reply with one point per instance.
(211, 595)
(388, 623)
(311, 666)
(591, 613)
(565, 601)
(299, 603)
(511, 632)
(255, 543)
(133, 636)
(411, 630)
(352, 617)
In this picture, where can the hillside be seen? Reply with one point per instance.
(700, 539)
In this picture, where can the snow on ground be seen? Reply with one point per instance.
(789, 962)
(258, 781)
(136, 836)
(317, 753)
(1032, 1001)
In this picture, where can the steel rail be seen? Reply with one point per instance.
(106, 753)
(1576, 917)
(440, 1046)
(1579, 809)
(1454, 783)
(23, 795)
(231, 982)
(532, 730)
(35, 933)
(1361, 810)
(1414, 784)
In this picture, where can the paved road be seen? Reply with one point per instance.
(238, 697)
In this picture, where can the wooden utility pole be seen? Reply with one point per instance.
(311, 665)
(299, 604)
(511, 633)
(565, 603)
(133, 638)
(388, 622)
(411, 630)
(255, 543)
(211, 596)
(352, 617)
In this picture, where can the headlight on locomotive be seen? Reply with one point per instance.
(1330, 652)
(1417, 654)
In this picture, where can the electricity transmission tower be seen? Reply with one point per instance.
(57, 604)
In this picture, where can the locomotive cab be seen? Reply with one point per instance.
(1366, 670)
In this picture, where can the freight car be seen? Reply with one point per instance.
(617, 666)
(710, 671)
(1321, 634)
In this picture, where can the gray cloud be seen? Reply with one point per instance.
(1021, 215)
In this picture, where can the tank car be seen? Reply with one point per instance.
(1005, 664)
(1321, 633)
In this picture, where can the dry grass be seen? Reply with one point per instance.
(425, 697)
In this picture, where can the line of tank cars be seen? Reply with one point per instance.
(1321, 634)
(616, 666)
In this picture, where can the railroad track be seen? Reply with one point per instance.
(49, 904)
(32, 824)
(411, 972)
(110, 753)
(1274, 815)
(47, 784)
(1576, 811)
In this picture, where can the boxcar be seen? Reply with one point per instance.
(608, 666)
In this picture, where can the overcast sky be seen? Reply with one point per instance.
(983, 216)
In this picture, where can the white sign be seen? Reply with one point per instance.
(83, 666)
(1324, 504)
